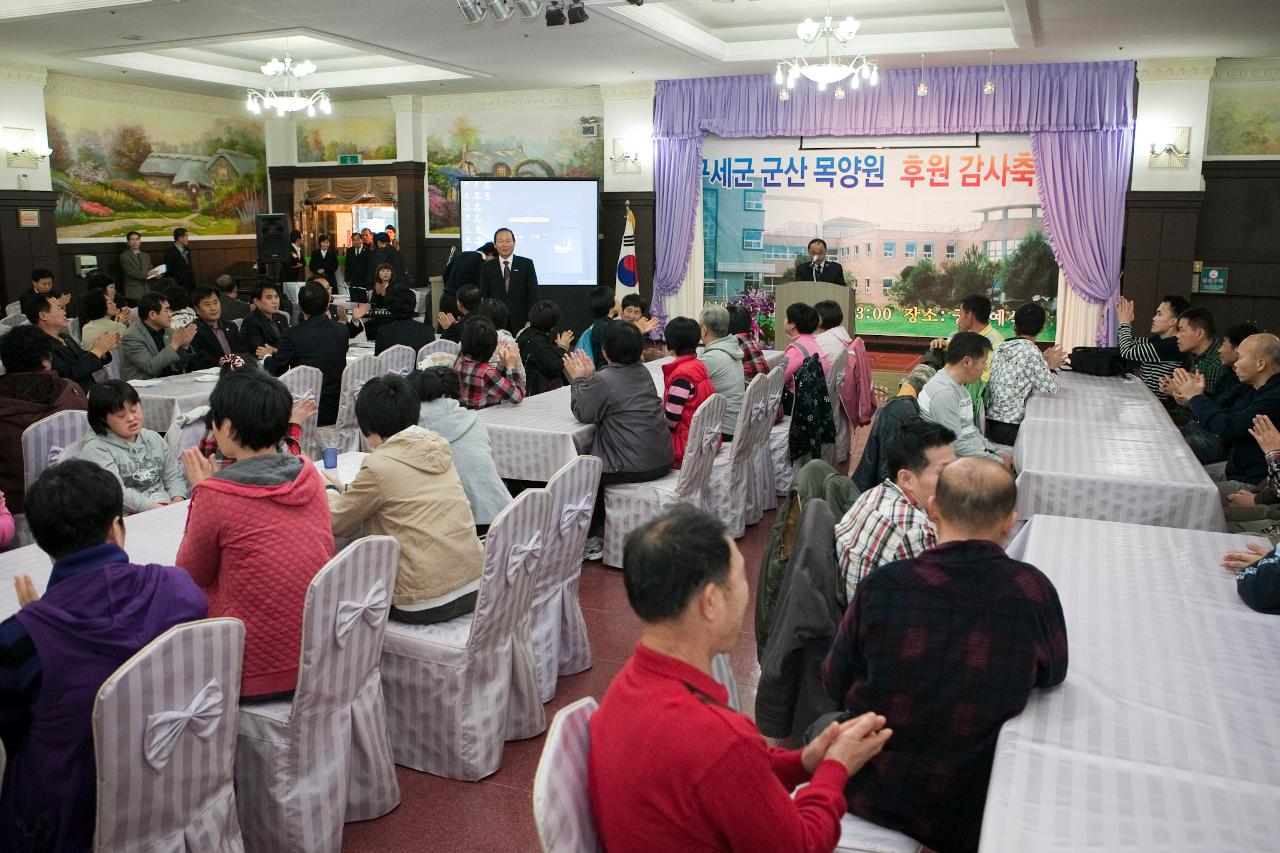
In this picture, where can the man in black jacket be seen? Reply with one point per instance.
(464, 269)
(401, 303)
(177, 261)
(357, 263)
(389, 255)
(69, 360)
(315, 342)
(214, 338)
(818, 268)
(453, 323)
(510, 278)
(266, 323)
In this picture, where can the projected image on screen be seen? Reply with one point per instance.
(555, 223)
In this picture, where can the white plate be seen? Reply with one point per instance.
(207, 378)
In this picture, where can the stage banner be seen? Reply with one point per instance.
(915, 230)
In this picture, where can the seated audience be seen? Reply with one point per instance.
(401, 328)
(974, 315)
(1157, 356)
(496, 310)
(483, 384)
(139, 458)
(1207, 447)
(215, 338)
(266, 323)
(671, 766)
(224, 548)
(179, 298)
(408, 488)
(42, 283)
(438, 389)
(352, 320)
(950, 644)
(686, 385)
(303, 410)
(632, 440)
(634, 308)
(318, 342)
(832, 336)
(1258, 512)
(468, 300)
(57, 650)
(151, 347)
(600, 304)
(102, 281)
(802, 322)
(98, 314)
(542, 357)
(945, 400)
(1199, 349)
(1257, 573)
(46, 313)
(855, 394)
(753, 361)
(1017, 369)
(233, 307)
(29, 390)
(891, 521)
(1258, 366)
(874, 465)
(722, 357)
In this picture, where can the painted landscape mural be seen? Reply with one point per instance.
(321, 140)
(152, 169)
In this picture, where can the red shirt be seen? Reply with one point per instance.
(671, 767)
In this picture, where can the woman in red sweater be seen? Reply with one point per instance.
(257, 531)
(685, 382)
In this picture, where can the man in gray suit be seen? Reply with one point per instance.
(150, 348)
(135, 264)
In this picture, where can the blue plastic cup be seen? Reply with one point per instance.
(330, 457)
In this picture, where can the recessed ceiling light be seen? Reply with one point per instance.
(132, 37)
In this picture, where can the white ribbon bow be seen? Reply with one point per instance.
(521, 554)
(758, 410)
(371, 609)
(710, 438)
(575, 514)
(165, 728)
(54, 453)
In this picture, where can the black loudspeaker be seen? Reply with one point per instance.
(273, 237)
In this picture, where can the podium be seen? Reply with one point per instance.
(810, 292)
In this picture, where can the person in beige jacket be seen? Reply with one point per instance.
(407, 488)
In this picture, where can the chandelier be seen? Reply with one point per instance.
(291, 98)
(817, 61)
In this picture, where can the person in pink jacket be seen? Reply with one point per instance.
(258, 530)
(802, 322)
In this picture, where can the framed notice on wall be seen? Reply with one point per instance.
(29, 217)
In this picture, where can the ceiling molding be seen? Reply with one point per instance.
(404, 103)
(123, 93)
(588, 96)
(638, 90)
(1024, 30)
(1200, 68)
(1247, 70)
(14, 9)
(22, 74)
(361, 109)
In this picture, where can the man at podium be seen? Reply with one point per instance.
(818, 268)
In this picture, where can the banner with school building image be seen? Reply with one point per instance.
(915, 229)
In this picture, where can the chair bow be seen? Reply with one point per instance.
(54, 453)
(758, 410)
(575, 514)
(165, 728)
(710, 438)
(371, 609)
(520, 554)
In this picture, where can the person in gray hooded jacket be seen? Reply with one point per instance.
(139, 458)
(722, 356)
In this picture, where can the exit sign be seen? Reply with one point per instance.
(349, 159)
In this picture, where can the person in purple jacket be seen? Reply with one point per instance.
(97, 612)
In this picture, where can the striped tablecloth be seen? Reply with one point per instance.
(1083, 399)
(1165, 734)
(162, 398)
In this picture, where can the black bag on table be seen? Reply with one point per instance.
(1098, 361)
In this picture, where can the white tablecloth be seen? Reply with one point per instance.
(348, 465)
(1087, 400)
(162, 398)
(150, 537)
(1165, 735)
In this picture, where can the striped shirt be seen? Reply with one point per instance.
(679, 393)
(1157, 357)
(882, 526)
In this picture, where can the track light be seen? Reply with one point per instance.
(471, 10)
(500, 9)
(577, 12)
(555, 13)
(528, 8)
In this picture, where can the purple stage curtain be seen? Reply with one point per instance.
(1045, 100)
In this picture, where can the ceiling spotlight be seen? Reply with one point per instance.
(555, 13)
(471, 10)
(528, 8)
(500, 9)
(577, 12)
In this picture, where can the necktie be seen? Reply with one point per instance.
(222, 339)
(817, 272)
(506, 271)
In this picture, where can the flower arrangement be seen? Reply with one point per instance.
(761, 306)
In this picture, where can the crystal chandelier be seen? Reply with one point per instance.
(290, 99)
(820, 64)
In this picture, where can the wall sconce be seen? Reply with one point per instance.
(1170, 149)
(23, 150)
(625, 159)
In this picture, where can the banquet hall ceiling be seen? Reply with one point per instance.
(389, 47)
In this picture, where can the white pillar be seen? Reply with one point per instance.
(22, 123)
(1172, 93)
(411, 140)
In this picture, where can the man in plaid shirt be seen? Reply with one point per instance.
(483, 384)
(891, 522)
(948, 646)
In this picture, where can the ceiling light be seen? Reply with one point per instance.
(290, 98)
(471, 10)
(822, 65)
(500, 9)
(922, 88)
(577, 12)
(555, 13)
(528, 8)
(989, 87)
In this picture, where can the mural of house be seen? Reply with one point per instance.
(505, 163)
(194, 175)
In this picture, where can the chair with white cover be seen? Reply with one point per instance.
(438, 345)
(834, 454)
(779, 456)
(722, 672)
(560, 642)
(13, 308)
(457, 690)
(305, 382)
(305, 767)
(732, 494)
(164, 735)
(44, 440)
(73, 450)
(629, 505)
(13, 321)
(344, 433)
(398, 360)
(561, 802)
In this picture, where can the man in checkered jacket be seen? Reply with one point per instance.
(948, 645)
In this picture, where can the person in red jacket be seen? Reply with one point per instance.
(257, 531)
(685, 382)
(671, 767)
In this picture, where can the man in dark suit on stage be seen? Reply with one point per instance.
(177, 261)
(387, 254)
(511, 279)
(464, 269)
(316, 342)
(818, 268)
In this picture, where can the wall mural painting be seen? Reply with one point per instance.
(1244, 119)
(555, 142)
(323, 139)
(137, 167)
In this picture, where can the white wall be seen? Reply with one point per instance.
(22, 106)
(1171, 93)
(628, 119)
